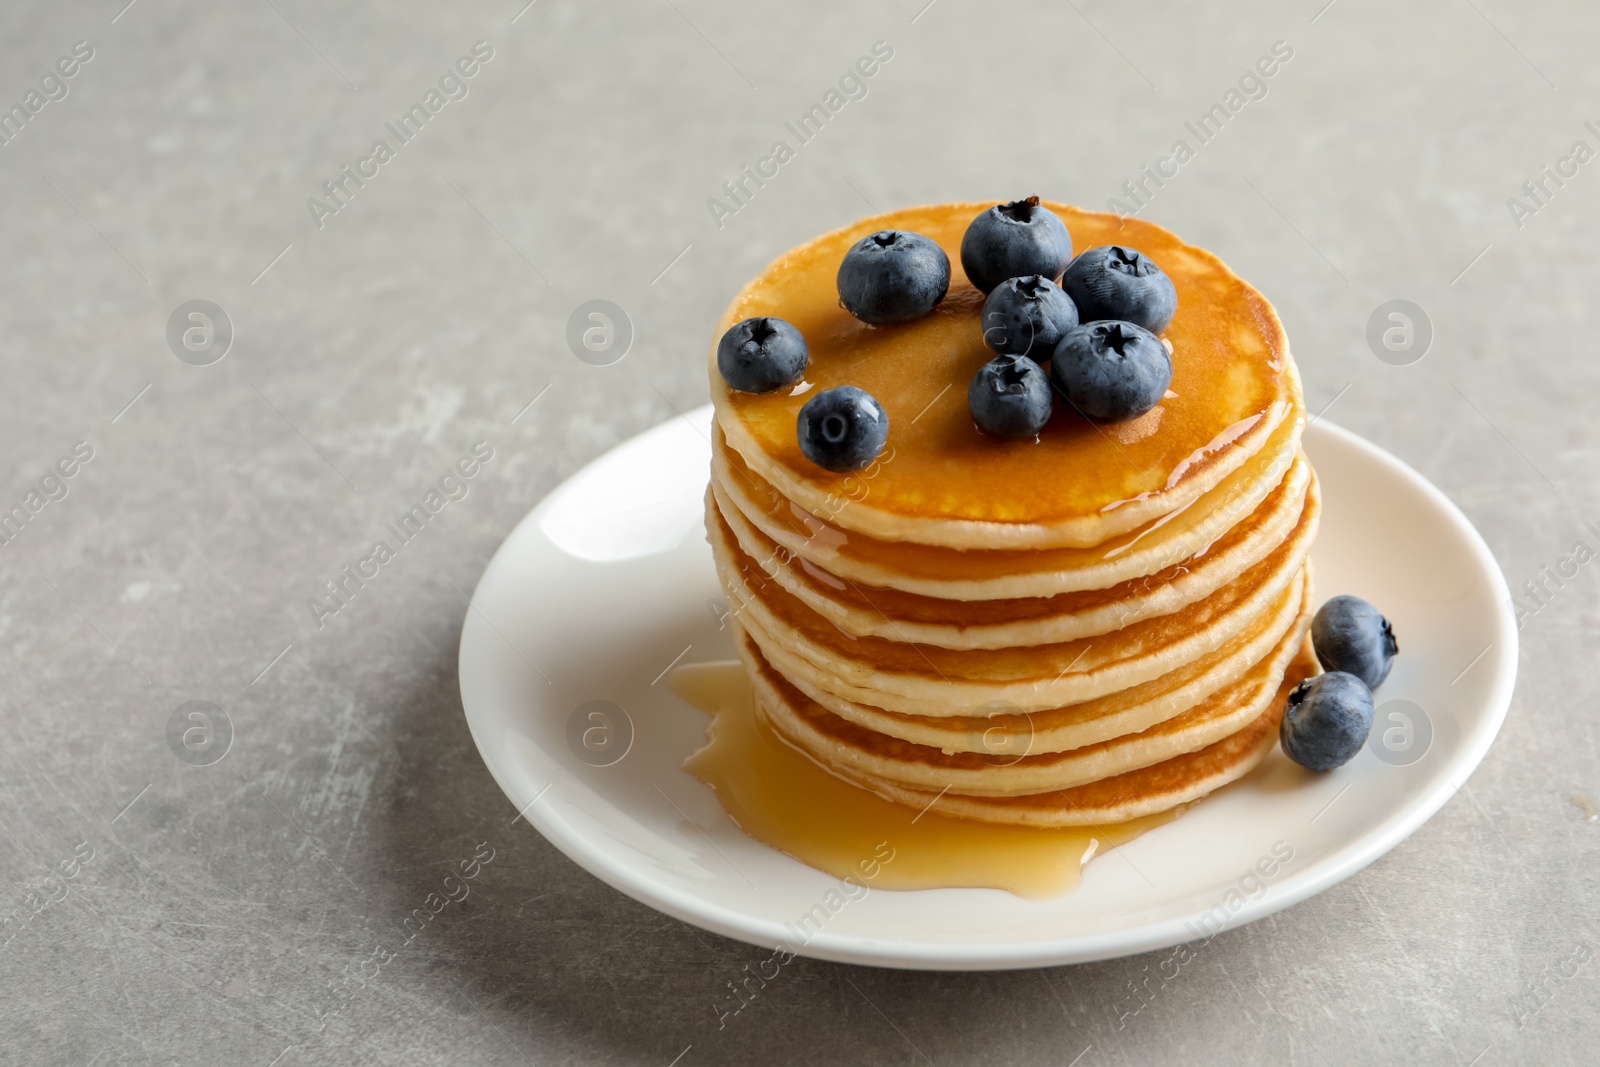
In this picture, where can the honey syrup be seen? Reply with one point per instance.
(782, 799)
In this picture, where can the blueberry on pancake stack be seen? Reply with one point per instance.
(1014, 532)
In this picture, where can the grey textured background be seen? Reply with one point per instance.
(226, 906)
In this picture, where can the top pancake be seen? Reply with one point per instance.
(949, 484)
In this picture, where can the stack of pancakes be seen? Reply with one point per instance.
(1085, 629)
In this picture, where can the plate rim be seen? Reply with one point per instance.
(1337, 866)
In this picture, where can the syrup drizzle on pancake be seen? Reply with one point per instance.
(949, 483)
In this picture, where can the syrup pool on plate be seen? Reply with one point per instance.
(781, 798)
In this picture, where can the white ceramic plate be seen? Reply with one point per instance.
(609, 581)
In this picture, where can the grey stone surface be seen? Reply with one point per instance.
(225, 905)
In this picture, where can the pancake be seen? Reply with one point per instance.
(913, 617)
(908, 678)
(1160, 787)
(836, 742)
(949, 484)
(992, 574)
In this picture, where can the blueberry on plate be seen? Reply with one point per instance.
(1326, 720)
(1010, 397)
(1027, 316)
(843, 429)
(1349, 635)
(893, 276)
(1013, 240)
(1110, 371)
(1113, 282)
(761, 354)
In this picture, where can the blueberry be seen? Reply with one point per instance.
(843, 429)
(761, 354)
(1326, 720)
(1110, 371)
(1027, 316)
(1113, 282)
(1013, 240)
(893, 276)
(1349, 635)
(1010, 397)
